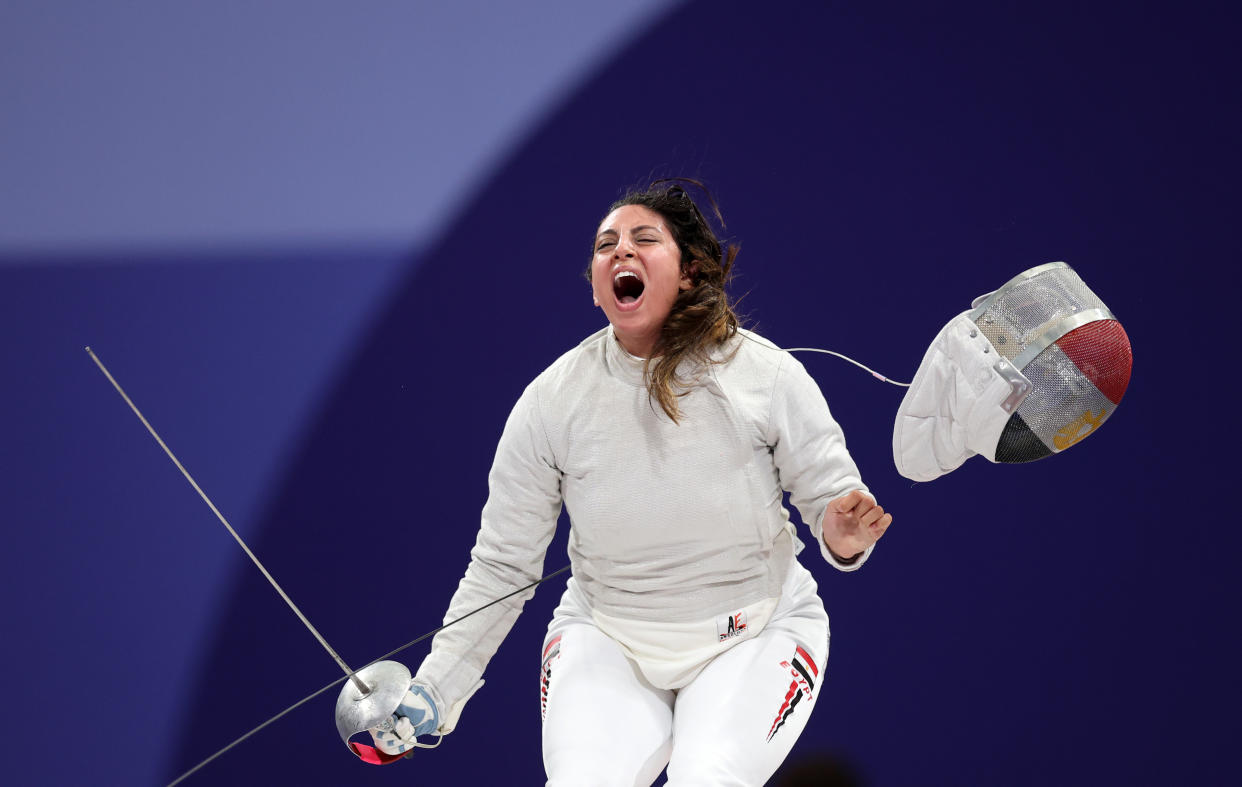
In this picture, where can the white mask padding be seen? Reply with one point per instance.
(952, 410)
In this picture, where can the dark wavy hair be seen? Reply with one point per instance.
(702, 318)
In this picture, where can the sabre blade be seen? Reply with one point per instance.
(351, 674)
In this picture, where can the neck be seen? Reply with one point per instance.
(639, 347)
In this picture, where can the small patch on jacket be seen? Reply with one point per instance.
(731, 626)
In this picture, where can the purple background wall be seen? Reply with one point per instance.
(325, 250)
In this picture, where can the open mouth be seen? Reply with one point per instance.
(627, 287)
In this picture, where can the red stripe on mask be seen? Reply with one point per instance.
(1101, 351)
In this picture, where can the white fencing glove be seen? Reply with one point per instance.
(418, 715)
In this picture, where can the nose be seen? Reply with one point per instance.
(623, 250)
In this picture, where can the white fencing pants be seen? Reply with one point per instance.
(605, 724)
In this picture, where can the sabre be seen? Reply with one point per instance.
(362, 687)
(371, 707)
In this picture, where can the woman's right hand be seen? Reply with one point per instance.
(415, 716)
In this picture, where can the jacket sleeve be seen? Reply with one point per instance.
(808, 447)
(518, 522)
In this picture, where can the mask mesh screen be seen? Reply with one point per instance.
(1076, 382)
(1024, 313)
(1101, 351)
(1019, 444)
(1063, 406)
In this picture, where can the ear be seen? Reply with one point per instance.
(687, 276)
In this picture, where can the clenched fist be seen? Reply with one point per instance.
(852, 523)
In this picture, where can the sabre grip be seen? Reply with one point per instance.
(418, 714)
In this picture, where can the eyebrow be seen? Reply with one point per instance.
(639, 228)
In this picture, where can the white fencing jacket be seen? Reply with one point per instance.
(670, 523)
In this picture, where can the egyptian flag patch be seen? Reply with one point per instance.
(802, 673)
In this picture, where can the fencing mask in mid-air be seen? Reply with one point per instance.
(1028, 371)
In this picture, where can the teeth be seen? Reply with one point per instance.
(620, 274)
